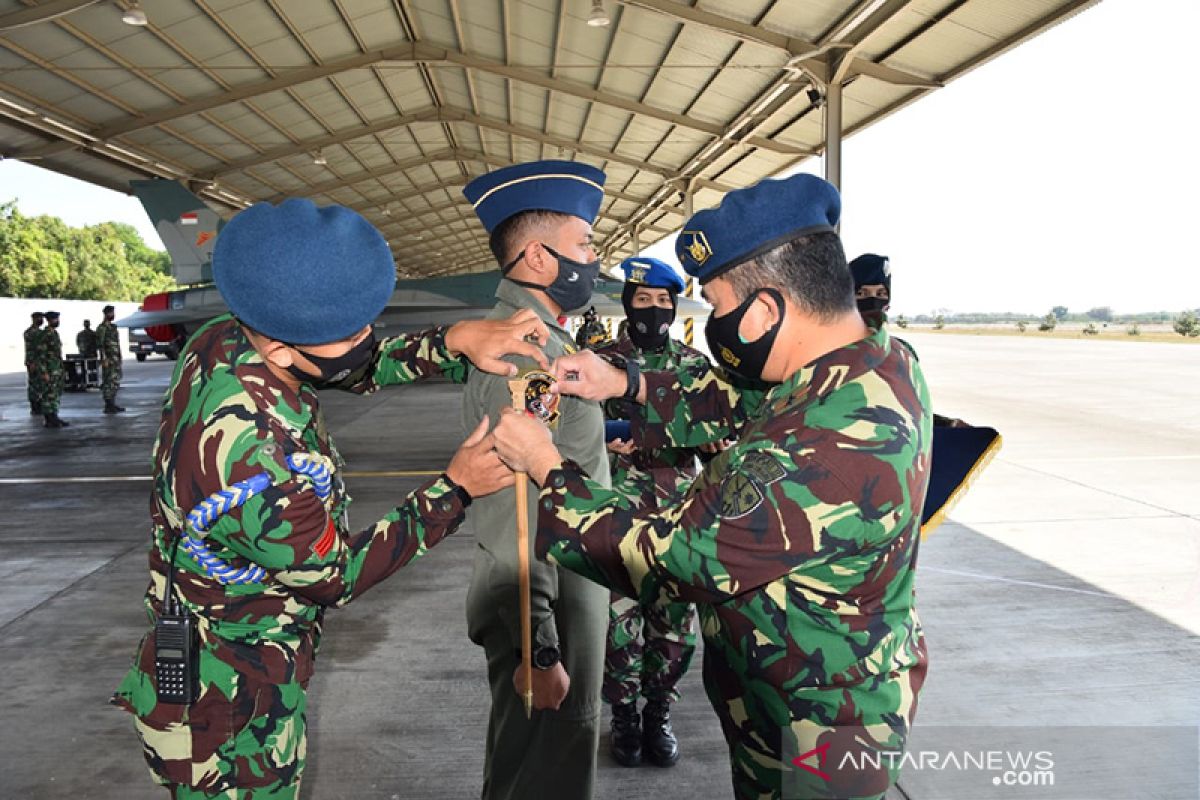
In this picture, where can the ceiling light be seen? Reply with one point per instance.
(598, 17)
(134, 15)
(319, 158)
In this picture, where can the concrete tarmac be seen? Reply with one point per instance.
(1063, 594)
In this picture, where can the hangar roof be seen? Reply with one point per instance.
(391, 106)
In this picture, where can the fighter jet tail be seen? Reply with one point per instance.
(186, 225)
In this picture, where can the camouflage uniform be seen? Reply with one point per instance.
(51, 375)
(227, 417)
(34, 382)
(87, 343)
(799, 544)
(108, 341)
(553, 755)
(650, 647)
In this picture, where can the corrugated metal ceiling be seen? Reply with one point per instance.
(405, 100)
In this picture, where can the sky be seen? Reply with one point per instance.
(1064, 172)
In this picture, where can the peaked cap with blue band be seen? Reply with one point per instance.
(656, 274)
(751, 221)
(302, 273)
(567, 187)
(869, 269)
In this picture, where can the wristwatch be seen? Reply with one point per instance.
(633, 374)
(462, 494)
(546, 656)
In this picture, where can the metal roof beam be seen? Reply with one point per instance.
(286, 79)
(41, 12)
(791, 45)
(428, 114)
(744, 31)
(585, 92)
(391, 169)
(434, 115)
(414, 53)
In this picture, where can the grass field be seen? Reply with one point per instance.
(1149, 333)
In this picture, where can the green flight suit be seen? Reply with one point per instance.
(553, 755)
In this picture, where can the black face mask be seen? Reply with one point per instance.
(572, 289)
(336, 369)
(873, 310)
(738, 357)
(649, 328)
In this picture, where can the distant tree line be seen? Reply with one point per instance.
(1057, 314)
(44, 257)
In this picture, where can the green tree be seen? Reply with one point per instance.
(1187, 324)
(43, 257)
(1059, 312)
(939, 322)
(1100, 314)
(1021, 325)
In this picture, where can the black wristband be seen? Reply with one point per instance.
(633, 374)
(462, 494)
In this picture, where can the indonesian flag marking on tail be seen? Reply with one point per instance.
(189, 218)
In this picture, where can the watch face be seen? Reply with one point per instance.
(545, 657)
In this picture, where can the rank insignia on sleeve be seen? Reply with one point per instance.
(740, 494)
(323, 545)
(539, 400)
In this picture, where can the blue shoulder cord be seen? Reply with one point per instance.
(208, 510)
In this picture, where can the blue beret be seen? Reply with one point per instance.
(567, 187)
(869, 269)
(651, 272)
(303, 274)
(51, 315)
(751, 221)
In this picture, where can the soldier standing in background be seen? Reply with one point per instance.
(650, 646)
(86, 341)
(33, 380)
(108, 340)
(53, 374)
(799, 543)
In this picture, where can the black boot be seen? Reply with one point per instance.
(626, 744)
(34, 411)
(111, 407)
(53, 421)
(658, 740)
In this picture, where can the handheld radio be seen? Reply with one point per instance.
(176, 646)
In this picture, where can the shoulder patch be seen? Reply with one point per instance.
(540, 402)
(763, 468)
(740, 494)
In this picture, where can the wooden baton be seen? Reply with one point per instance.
(518, 388)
